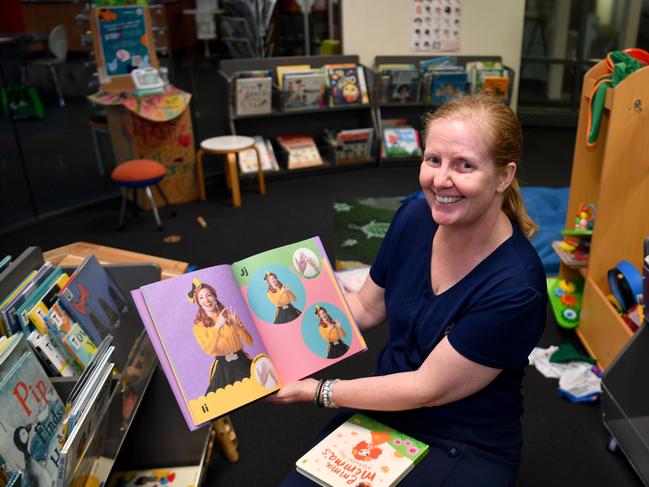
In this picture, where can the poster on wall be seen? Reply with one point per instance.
(436, 25)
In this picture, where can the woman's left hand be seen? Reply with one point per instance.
(300, 391)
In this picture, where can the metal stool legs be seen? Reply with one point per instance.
(154, 207)
(164, 197)
(122, 211)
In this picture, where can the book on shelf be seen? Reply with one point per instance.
(399, 82)
(30, 417)
(253, 95)
(93, 300)
(164, 476)
(228, 335)
(19, 295)
(344, 84)
(478, 70)
(362, 452)
(496, 87)
(401, 141)
(80, 430)
(248, 157)
(302, 90)
(281, 70)
(350, 146)
(301, 151)
(445, 86)
(4, 262)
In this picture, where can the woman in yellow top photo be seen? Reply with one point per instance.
(332, 332)
(282, 298)
(221, 334)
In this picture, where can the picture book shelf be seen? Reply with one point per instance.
(412, 111)
(139, 394)
(312, 122)
(614, 176)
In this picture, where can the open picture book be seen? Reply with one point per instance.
(230, 334)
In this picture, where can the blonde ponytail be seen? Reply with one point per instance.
(514, 208)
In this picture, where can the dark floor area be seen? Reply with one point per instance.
(565, 443)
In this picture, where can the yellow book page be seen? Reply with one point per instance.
(281, 70)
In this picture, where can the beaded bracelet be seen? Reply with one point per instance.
(327, 394)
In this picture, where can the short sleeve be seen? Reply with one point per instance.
(501, 330)
(379, 269)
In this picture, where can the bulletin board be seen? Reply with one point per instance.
(123, 41)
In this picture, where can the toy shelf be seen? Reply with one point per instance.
(613, 176)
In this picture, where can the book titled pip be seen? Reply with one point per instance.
(230, 334)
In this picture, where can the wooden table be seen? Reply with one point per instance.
(74, 253)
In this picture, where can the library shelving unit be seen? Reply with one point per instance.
(615, 177)
(412, 111)
(140, 395)
(311, 122)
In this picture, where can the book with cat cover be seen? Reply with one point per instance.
(93, 300)
(228, 335)
(362, 452)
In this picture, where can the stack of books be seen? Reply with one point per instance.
(490, 78)
(248, 158)
(442, 79)
(64, 318)
(300, 87)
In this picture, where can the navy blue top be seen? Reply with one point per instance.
(493, 316)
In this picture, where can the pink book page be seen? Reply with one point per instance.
(298, 308)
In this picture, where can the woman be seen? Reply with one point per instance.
(282, 298)
(332, 333)
(464, 293)
(221, 334)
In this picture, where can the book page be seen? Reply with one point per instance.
(298, 308)
(215, 354)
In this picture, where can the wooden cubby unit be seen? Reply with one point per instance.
(614, 175)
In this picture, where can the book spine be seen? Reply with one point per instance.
(55, 357)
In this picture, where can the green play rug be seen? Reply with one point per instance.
(360, 225)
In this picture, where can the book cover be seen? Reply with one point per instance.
(404, 85)
(281, 70)
(362, 452)
(22, 313)
(53, 355)
(253, 95)
(222, 333)
(401, 142)
(446, 86)
(93, 299)
(301, 151)
(248, 157)
(353, 145)
(70, 334)
(30, 422)
(344, 88)
(168, 476)
(496, 86)
(302, 90)
(10, 306)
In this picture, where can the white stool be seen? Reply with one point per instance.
(229, 145)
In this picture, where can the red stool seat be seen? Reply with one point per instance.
(138, 173)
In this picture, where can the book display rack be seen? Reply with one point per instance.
(611, 177)
(137, 392)
(413, 110)
(311, 122)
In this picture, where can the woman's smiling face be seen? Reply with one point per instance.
(206, 300)
(459, 178)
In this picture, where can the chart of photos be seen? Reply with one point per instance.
(436, 25)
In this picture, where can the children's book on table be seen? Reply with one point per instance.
(362, 452)
(228, 335)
